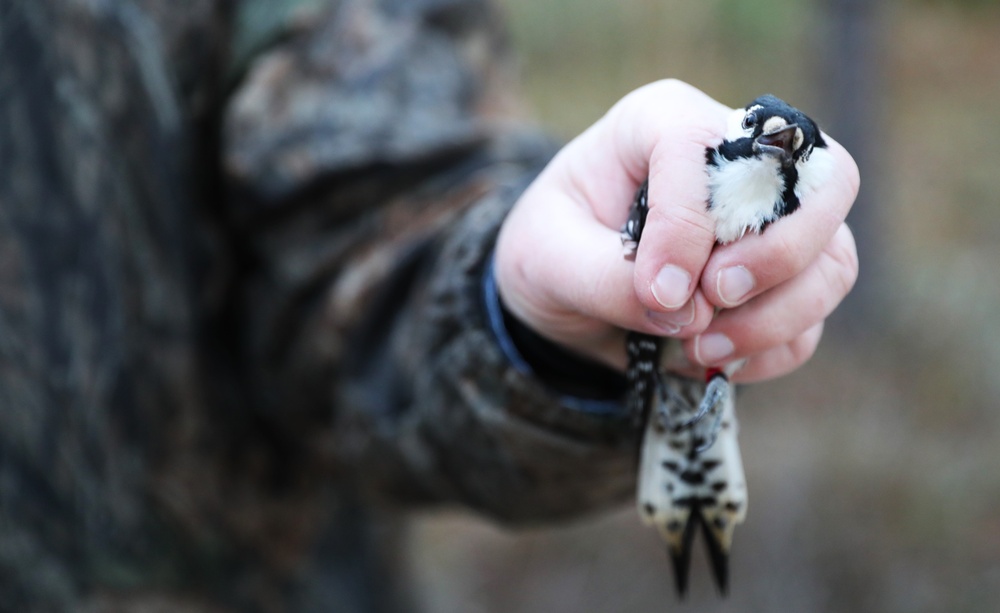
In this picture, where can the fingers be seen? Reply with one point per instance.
(564, 273)
(785, 313)
(661, 132)
(779, 361)
(559, 262)
(602, 167)
(563, 237)
(754, 264)
(679, 234)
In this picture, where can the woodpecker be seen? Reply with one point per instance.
(690, 467)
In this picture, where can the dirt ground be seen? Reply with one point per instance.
(874, 471)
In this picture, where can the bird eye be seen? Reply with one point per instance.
(749, 121)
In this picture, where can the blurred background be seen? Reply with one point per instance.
(874, 471)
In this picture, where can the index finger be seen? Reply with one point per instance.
(659, 131)
(679, 234)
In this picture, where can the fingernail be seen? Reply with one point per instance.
(710, 349)
(734, 283)
(672, 322)
(670, 287)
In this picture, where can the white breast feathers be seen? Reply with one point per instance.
(745, 195)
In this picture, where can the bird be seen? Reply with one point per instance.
(690, 466)
(771, 154)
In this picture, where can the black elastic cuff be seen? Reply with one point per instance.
(564, 371)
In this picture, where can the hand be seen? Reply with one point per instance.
(560, 267)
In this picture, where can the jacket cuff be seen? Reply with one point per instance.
(581, 384)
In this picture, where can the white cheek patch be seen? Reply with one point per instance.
(774, 124)
(814, 172)
(734, 125)
(744, 192)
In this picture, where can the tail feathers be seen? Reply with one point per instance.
(683, 482)
(680, 543)
(717, 543)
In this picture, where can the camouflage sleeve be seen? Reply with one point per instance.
(233, 290)
(371, 162)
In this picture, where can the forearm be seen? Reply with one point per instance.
(444, 414)
(368, 211)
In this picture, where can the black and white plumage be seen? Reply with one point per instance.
(690, 468)
(771, 154)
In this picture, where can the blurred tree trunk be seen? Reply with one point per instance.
(852, 60)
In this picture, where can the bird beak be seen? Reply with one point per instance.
(778, 144)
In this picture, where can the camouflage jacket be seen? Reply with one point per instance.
(242, 256)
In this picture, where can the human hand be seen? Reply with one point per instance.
(559, 265)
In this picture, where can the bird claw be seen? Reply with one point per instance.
(716, 390)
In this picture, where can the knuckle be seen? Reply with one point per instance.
(803, 348)
(783, 359)
(789, 255)
(853, 177)
(670, 86)
(683, 225)
(847, 172)
(664, 89)
(842, 258)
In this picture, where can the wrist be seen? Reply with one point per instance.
(582, 382)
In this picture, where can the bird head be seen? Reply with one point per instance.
(771, 127)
